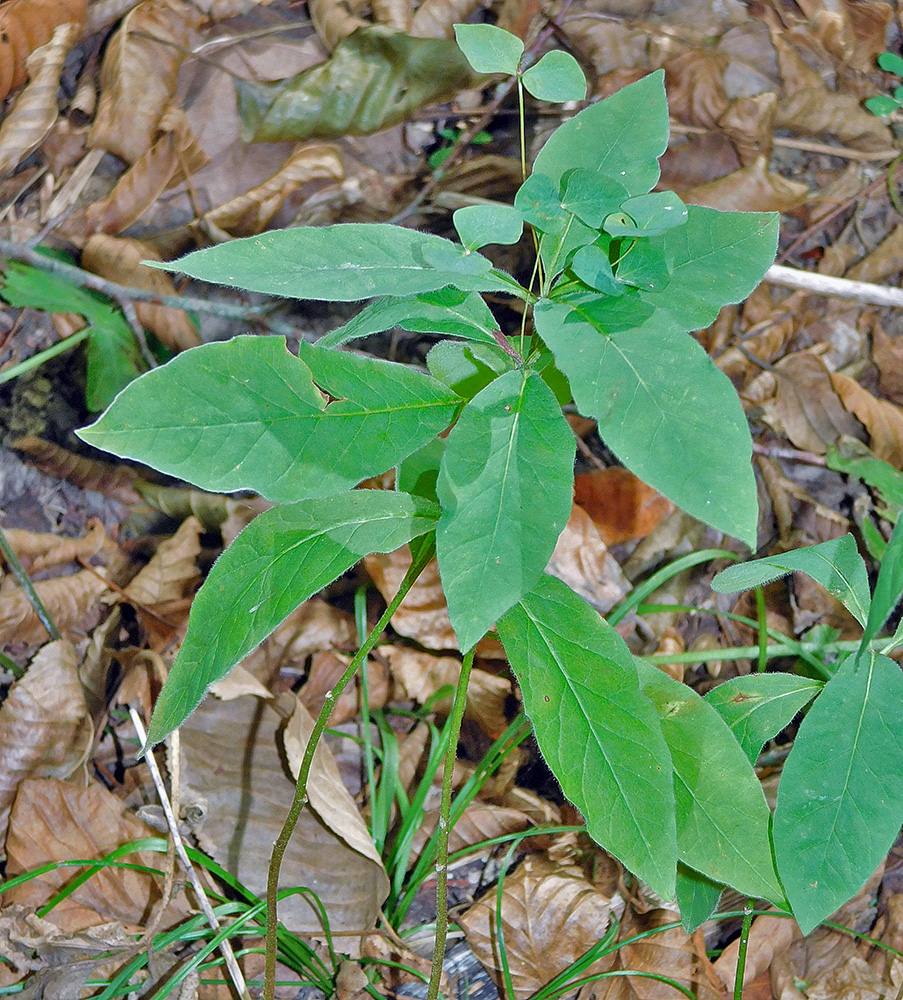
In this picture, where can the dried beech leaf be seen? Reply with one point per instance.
(119, 259)
(45, 731)
(814, 110)
(236, 684)
(621, 506)
(66, 598)
(35, 110)
(335, 20)
(138, 77)
(172, 572)
(695, 85)
(748, 189)
(883, 420)
(437, 18)
(550, 917)
(174, 156)
(56, 820)
(868, 22)
(114, 481)
(749, 124)
(250, 213)
(25, 25)
(477, 823)
(39, 550)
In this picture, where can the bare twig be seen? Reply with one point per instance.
(841, 288)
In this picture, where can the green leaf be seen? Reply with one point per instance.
(835, 564)
(697, 897)
(538, 203)
(591, 196)
(467, 368)
(722, 816)
(599, 735)
(489, 49)
(621, 137)
(851, 457)
(644, 266)
(478, 225)
(245, 414)
(417, 474)
(882, 105)
(593, 268)
(758, 707)
(342, 263)
(282, 558)
(888, 586)
(647, 215)
(556, 77)
(891, 63)
(505, 488)
(840, 801)
(715, 258)
(374, 78)
(661, 405)
(447, 310)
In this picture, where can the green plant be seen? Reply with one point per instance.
(621, 275)
(884, 104)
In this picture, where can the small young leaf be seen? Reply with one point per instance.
(835, 564)
(282, 558)
(647, 215)
(840, 801)
(538, 203)
(467, 368)
(888, 586)
(245, 414)
(697, 897)
(890, 62)
(591, 196)
(593, 268)
(489, 49)
(418, 473)
(341, 263)
(600, 736)
(758, 707)
(556, 77)
(505, 488)
(722, 817)
(644, 266)
(882, 105)
(447, 310)
(478, 225)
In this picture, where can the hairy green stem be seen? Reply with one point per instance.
(18, 571)
(741, 952)
(418, 562)
(454, 726)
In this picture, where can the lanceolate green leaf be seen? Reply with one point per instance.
(245, 414)
(840, 801)
(661, 405)
(758, 707)
(621, 137)
(505, 487)
(342, 263)
(722, 816)
(599, 734)
(282, 558)
(835, 564)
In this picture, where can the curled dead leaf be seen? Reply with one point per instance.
(815, 110)
(749, 123)
(172, 572)
(437, 18)
(25, 25)
(752, 188)
(695, 85)
(335, 20)
(887, 353)
(883, 262)
(66, 598)
(39, 550)
(883, 420)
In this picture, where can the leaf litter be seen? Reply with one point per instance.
(767, 109)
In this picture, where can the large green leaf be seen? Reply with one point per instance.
(245, 414)
(505, 486)
(840, 801)
(600, 736)
(722, 816)
(282, 558)
(342, 263)
(759, 706)
(374, 78)
(835, 564)
(714, 258)
(621, 137)
(661, 404)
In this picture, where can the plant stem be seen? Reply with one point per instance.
(418, 562)
(38, 359)
(451, 753)
(18, 571)
(741, 953)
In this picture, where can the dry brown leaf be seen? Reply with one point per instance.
(749, 124)
(250, 213)
(114, 481)
(174, 156)
(814, 110)
(391, 950)
(883, 262)
(752, 188)
(550, 917)
(477, 823)
(234, 772)
(66, 598)
(607, 45)
(827, 963)
(172, 572)
(437, 18)
(695, 85)
(45, 731)
(35, 110)
(768, 936)
(56, 820)
(326, 667)
(25, 25)
(883, 420)
(868, 21)
(236, 684)
(620, 505)
(119, 259)
(139, 75)
(393, 13)
(336, 19)
(39, 550)
(887, 353)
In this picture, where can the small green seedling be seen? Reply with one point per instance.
(885, 104)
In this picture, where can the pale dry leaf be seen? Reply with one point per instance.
(883, 262)
(114, 481)
(39, 550)
(172, 572)
(397, 959)
(869, 21)
(45, 731)
(393, 13)
(55, 820)
(607, 45)
(437, 18)
(120, 259)
(814, 111)
(695, 85)
(66, 598)
(550, 917)
(796, 74)
(237, 683)
(887, 353)
(883, 420)
(25, 25)
(827, 963)
(336, 19)
(749, 124)
(326, 667)
(478, 822)
(35, 110)
(751, 188)
(768, 936)
(139, 74)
